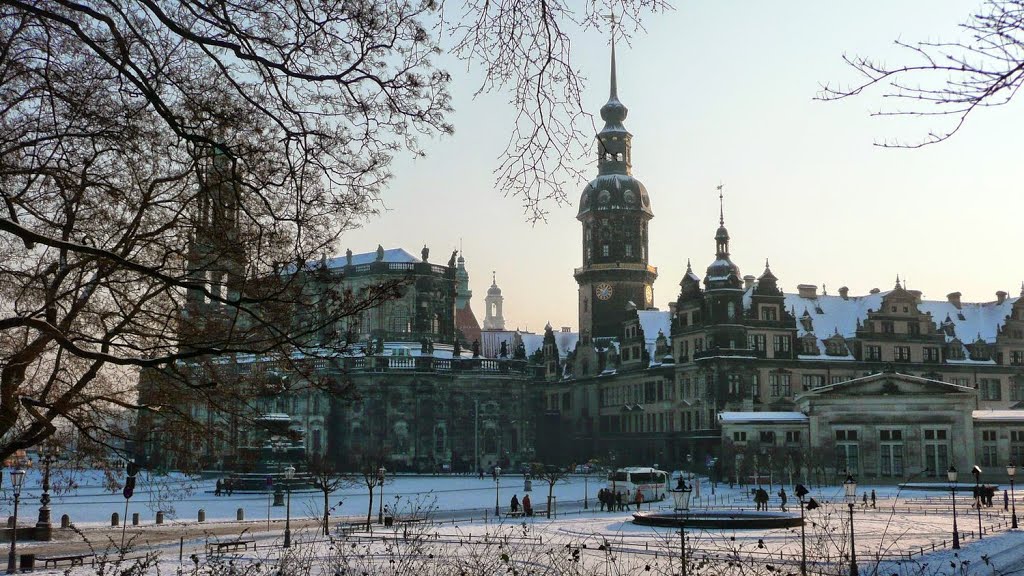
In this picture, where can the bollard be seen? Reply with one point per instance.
(65, 521)
(202, 515)
(159, 516)
(115, 519)
(135, 518)
(240, 515)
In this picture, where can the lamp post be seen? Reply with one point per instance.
(48, 456)
(681, 496)
(289, 473)
(811, 504)
(850, 485)
(951, 474)
(1011, 471)
(381, 474)
(977, 496)
(497, 484)
(17, 478)
(586, 489)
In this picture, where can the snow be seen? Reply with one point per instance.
(909, 530)
(736, 417)
(998, 415)
(393, 255)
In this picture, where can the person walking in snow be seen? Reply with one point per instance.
(527, 506)
(873, 501)
(639, 499)
(514, 505)
(782, 497)
(218, 486)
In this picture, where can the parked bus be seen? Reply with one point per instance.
(651, 482)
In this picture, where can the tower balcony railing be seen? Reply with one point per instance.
(730, 352)
(618, 266)
(431, 364)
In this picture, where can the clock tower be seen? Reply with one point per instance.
(614, 211)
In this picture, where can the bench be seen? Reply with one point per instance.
(350, 527)
(516, 514)
(232, 545)
(71, 559)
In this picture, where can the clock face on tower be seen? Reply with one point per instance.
(648, 296)
(604, 291)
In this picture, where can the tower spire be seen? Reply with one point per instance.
(721, 206)
(613, 93)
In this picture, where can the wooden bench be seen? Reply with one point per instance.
(232, 545)
(516, 514)
(350, 527)
(71, 559)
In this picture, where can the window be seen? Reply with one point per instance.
(781, 343)
(901, 353)
(756, 342)
(774, 386)
(872, 352)
(890, 453)
(734, 383)
(1017, 388)
(793, 437)
(936, 451)
(811, 381)
(991, 389)
(786, 388)
(931, 354)
(755, 386)
(604, 250)
(769, 313)
(847, 451)
(739, 436)
(989, 455)
(629, 249)
(888, 327)
(1017, 446)
(1017, 358)
(767, 437)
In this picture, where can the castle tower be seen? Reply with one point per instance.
(614, 210)
(493, 320)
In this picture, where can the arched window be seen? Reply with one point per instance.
(731, 308)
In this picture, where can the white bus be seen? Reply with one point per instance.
(651, 482)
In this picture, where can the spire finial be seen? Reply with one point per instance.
(494, 277)
(613, 94)
(898, 287)
(766, 264)
(721, 206)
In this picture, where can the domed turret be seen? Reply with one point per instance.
(722, 273)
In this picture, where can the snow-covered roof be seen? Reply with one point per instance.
(397, 255)
(833, 314)
(998, 415)
(763, 417)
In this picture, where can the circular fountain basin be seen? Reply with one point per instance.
(735, 519)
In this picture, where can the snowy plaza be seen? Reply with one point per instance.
(447, 524)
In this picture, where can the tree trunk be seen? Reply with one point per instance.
(326, 513)
(369, 510)
(551, 490)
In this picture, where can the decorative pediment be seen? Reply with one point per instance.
(889, 384)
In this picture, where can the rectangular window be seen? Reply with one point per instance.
(767, 437)
(756, 342)
(769, 313)
(780, 343)
(901, 354)
(991, 389)
(888, 327)
(989, 455)
(739, 436)
(931, 354)
(604, 250)
(793, 437)
(787, 389)
(936, 451)
(1017, 389)
(773, 385)
(755, 386)
(872, 352)
(629, 249)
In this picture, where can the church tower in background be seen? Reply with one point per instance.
(614, 210)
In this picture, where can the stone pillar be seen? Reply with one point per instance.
(135, 518)
(65, 521)
(115, 519)
(159, 516)
(240, 515)
(202, 515)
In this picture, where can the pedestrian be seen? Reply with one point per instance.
(514, 505)
(231, 486)
(600, 498)
(864, 500)
(618, 501)
(219, 485)
(639, 499)
(977, 497)
(782, 497)
(873, 501)
(527, 505)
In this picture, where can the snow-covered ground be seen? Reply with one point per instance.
(909, 532)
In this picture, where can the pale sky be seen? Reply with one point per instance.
(723, 92)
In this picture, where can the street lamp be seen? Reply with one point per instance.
(497, 484)
(811, 504)
(48, 456)
(681, 498)
(851, 496)
(586, 489)
(17, 478)
(977, 496)
(951, 474)
(1011, 471)
(381, 472)
(289, 473)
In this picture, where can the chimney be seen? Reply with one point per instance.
(916, 294)
(844, 292)
(954, 299)
(1001, 297)
(748, 281)
(807, 291)
(672, 308)
(875, 291)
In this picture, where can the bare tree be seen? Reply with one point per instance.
(550, 474)
(173, 171)
(325, 477)
(948, 80)
(368, 473)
